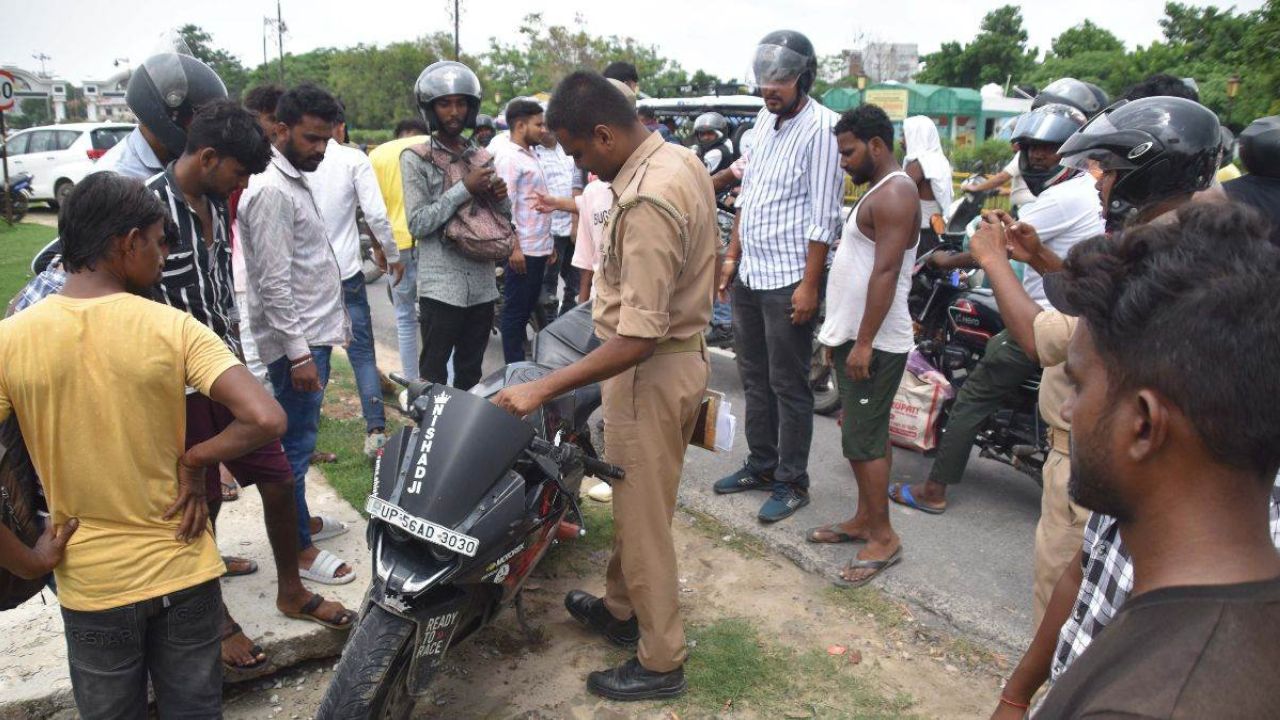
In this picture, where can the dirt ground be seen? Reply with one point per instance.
(899, 669)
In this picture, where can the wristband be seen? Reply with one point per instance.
(301, 363)
(729, 260)
(1020, 706)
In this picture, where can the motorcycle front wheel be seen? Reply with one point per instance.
(20, 207)
(371, 679)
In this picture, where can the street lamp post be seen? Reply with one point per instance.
(1233, 89)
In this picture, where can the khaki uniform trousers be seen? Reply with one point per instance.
(1060, 532)
(649, 414)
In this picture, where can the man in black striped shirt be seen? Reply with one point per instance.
(225, 146)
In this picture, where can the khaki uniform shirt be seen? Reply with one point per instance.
(1053, 333)
(654, 283)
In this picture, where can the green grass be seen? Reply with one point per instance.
(732, 668)
(867, 600)
(746, 545)
(18, 244)
(342, 432)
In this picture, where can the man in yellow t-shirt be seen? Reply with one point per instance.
(386, 167)
(96, 376)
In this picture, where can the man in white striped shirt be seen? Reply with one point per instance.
(789, 214)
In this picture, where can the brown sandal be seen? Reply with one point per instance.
(343, 621)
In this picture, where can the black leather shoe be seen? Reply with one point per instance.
(631, 681)
(590, 611)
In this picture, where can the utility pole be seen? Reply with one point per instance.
(280, 37)
(457, 14)
(42, 57)
(266, 23)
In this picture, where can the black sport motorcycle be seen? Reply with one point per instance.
(954, 322)
(464, 506)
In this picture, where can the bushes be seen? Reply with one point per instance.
(993, 153)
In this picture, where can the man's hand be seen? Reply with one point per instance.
(379, 258)
(520, 400)
(516, 262)
(397, 272)
(479, 181)
(49, 550)
(498, 189)
(192, 505)
(1024, 241)
(728, 271)
(858, 364)
(306, 378)
(804, 303)
(989, 244)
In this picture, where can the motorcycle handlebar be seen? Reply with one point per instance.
(598, 468)
(602, 469)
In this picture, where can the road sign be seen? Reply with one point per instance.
(7, 90)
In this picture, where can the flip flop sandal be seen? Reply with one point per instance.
(328, 528)
(813, 535)
(346, 619)
(257, 651)
(230, 492)
(324, 570)
(228, 559)
(904, 497)
(878, 566)
(323, 458)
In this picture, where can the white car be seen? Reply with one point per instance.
(59, 156)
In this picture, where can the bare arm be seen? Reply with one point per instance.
(989, 248)
(259, 419)
(1034, 667)
(990, 183)
(724, 180)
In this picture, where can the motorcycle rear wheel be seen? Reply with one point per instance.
(20, 207)
(371, 678)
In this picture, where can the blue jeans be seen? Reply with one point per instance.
(405, 298)
(520, 297)
(364, 360)
(303, 412)
(174, 639)
(721, 313)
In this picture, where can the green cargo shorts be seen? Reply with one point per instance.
(864, 433)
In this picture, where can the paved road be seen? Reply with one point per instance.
(970, 568)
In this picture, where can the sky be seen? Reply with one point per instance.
(83, 39)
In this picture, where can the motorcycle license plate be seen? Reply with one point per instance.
(425, 529)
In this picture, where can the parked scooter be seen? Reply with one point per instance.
(954, 321)
(19, 192)
(463, 508)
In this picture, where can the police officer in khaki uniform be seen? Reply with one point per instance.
(652, 304)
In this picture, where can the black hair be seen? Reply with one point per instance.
(584, 100)
(307, 99)
(866, 122)
(647, 113)
(263, 98)
(412, 126)
(1188, 309)
(232, 131)
(520, 108)
(102, 206)
(1162, 84)
(622, 72)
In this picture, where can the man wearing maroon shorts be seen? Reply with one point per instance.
(225, 146)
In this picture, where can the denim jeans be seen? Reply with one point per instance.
(174, 639)
(520, 297)
(303, 412)
(559, 270)
(405, 298)
(364, 360)
(773, 359)
(721, 313)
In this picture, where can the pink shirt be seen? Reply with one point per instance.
(520, 169)
(593, 211)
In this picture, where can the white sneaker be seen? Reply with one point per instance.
(403, 399)
(373, 442)
(602, 492)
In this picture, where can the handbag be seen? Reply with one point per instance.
(479, 229)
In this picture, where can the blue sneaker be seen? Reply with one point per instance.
(786, 500)
(743, 479)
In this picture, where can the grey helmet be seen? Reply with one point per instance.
(712, 121)
(484, 121)
(1088, 99)
(166, 90)
(442, 79)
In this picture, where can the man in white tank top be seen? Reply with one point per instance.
(868, 330)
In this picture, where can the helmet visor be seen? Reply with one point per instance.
(165, 70)
(777, 66)
(1100, 146)
(1051, 124)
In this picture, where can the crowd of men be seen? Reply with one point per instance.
(1147, 300)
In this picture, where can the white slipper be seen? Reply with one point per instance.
(328, 528)
(324, 570)
(602, 492)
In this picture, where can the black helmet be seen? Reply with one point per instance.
(1260, 147)
(1070, 91)
(442, 79)
(784, 57)
(1227, 148)
(484, 121)
(166, 90)
(1099, 94)
(1049, 124)
(1160, 147)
